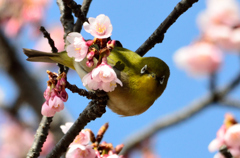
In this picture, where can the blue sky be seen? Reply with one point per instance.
(133, 22)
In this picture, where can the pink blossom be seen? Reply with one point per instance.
(77, 48)
(232, 136)
(56, 103)
(200, 58)
(81, 151)
(99, 27)
(102, 77)
(88, 81)
(47, 93)
(219, 12)
(33, 13)
(13, 27)
(219, 21)
(89, 63)
(63, 95)
(66, 127)
(82, 138)
(15, 139)
(47, 110)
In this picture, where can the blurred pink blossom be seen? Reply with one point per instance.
(228, 135)
(99, 27)
(12, 27)
(232, 136)
(23, 12)
(199, 58)
(15, 140)
(220, 23)
(219, 141)
(56, 33)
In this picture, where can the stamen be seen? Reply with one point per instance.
(100, 28)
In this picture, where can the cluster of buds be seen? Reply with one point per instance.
(102, 77)
(55, 94)
(81, 147)
(228, 135)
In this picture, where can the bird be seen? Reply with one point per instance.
(144, 78)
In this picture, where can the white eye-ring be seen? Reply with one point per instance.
(144, 69)
(162, 79)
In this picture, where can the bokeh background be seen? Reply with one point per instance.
(133, 22)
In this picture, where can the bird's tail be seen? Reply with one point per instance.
(39, 56)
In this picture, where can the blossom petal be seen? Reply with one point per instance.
(47, 111)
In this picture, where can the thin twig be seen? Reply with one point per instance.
(67, 21)
(66, 18)
(50, 41)
(178, 116)
(230, 102)
(94, 110)
(40, 137)
(85, 93)
(158, 34)
(84, 9)
(42, 132)
(225, 152)
(212, 85)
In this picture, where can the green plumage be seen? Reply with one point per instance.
(140, 89)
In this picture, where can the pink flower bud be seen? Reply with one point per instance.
(90, 55)
(47, 110)
(56, 103)
(111, 44)
(63, 95)
(89, 43)
(90, 63)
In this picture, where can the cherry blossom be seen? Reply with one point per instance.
(200, 58)
(232, 136)
(81, 151)
(219, 22)
(77, 48)
(99, 27)
(102, 77)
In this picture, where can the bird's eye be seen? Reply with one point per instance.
(161, 80)
(144, 69)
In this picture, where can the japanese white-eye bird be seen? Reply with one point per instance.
(144, 78)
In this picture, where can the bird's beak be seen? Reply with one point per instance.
(154, 76)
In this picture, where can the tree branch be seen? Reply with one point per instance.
(230, 102)
(178, 116)
(28, 87)
(158, 34)
(76, 9)
(85, 7)
(40, 137)
(94, 110)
